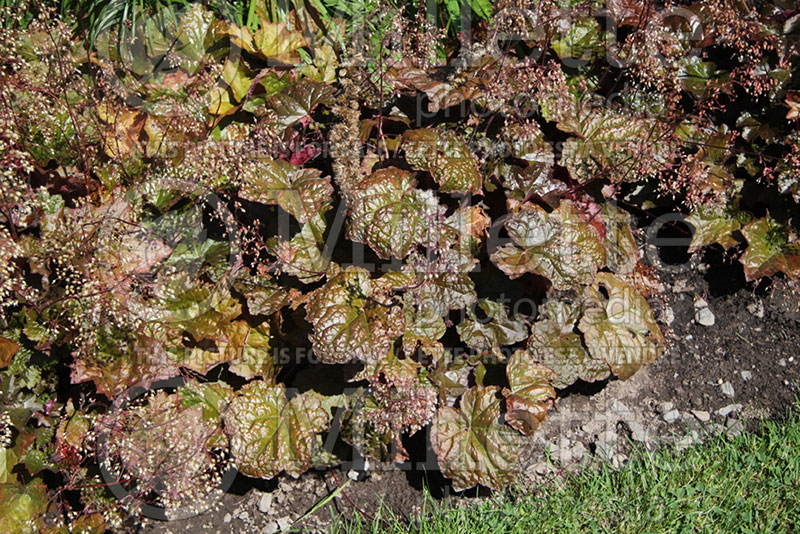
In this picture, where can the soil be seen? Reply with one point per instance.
(721, 377)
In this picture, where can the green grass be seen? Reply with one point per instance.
(750, 483)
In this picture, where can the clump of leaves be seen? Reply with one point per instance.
(176, 215)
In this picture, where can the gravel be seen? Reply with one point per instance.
(704, 317)
(729, 409)
(671, 416)
(727, 389)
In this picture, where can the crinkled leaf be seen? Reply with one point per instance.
(555, 344)
(303, 256)
(621, 250)
(300, 191)
(424, 326)
(493, 331)
(609, 145)
(238, 77)
(196, 32)
(466, 229)
(558, 245)
(529, 392)
(263, 295)
(713, 224)
(246, 348)
(769, 250)
(695, 74)
(391, 215)
(269, 433)
(350, 320)
(22, 508)
(271, 41)
(114, 369)
(471, 443)
(522, 183)
(446, 156)
(212, 397)
(582, 40)
(442, 283)
(298, 101)
(621, 328)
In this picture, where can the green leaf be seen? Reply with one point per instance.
(695, 74)
(443, 283)
(8, 460)
(212, 397)
(270, 434)
(22, 507)
(298, 101)
(622, 254)
(471, 443)
(391, 216)
(529, 392)
(620, 329)
(554, 343)
(424, 327)
(713, 224)
(303, 256)
(483, 8)
(351, 321)
(238, 77)
(494, 331)
(769, 250)
(609, 145)
(582, 40)
(264, 296)
(271, 41)
(196, 33)
(246, 348)
(446, 156)
(558, 245)
(300, 191)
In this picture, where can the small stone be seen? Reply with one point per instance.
(729, 409)
(620, 409)
(684, 442)
(700, 302)
(665, 407)
(619, 460)
(681, 285)
(227, 518)
(671, 416)
(701, 415)
(270, 528)
(603, 450)
(284, 523)
(578, 451)
(782, 362)
(265, 503)
(727, 389)
(352, 474)
(638, 433)
(746, 375)
(756, 308)
(733, 427)
(540, 468)
(704, 317)
(668, 316)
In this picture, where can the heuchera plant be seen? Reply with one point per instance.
(343, 243)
